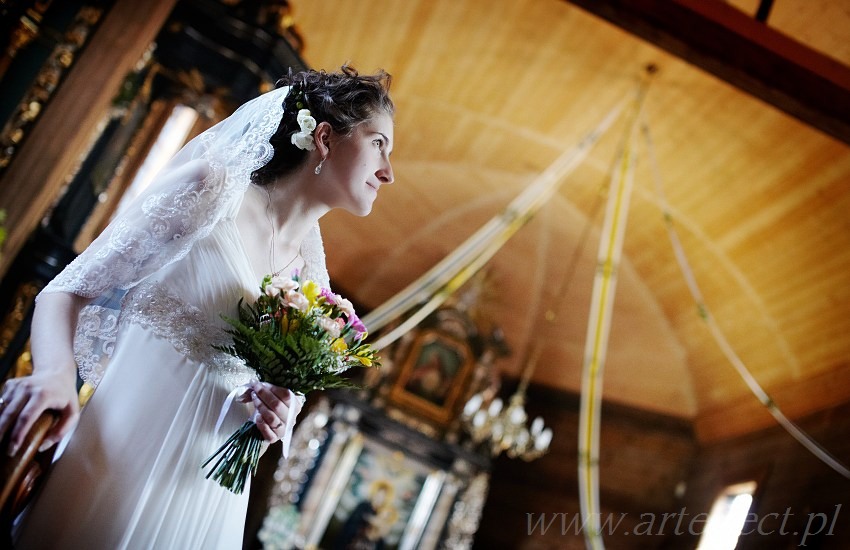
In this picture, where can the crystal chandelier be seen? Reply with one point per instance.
(503, 429)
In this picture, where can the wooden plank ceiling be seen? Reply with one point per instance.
(490, 93)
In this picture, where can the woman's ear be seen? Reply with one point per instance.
(322, 137)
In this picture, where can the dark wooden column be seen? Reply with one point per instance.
(59, 139)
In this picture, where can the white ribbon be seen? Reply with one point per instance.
(244, 388)
(296, 401)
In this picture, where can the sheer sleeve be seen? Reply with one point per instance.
(155, 231)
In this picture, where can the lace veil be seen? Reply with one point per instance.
(202, 183)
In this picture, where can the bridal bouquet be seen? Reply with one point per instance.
(296, 335)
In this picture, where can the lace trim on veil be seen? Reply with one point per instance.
(193, 192)
(195, 189)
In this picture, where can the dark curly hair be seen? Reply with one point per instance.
(343, 99)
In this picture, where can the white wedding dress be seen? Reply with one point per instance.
(130, 476)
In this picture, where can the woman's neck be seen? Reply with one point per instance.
(289, 208)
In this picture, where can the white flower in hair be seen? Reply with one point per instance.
(304, 139)
(306, 120)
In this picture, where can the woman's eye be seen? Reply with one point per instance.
(379, 142)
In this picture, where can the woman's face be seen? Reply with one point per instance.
(359, 164)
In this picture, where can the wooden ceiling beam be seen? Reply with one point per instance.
(737, 48)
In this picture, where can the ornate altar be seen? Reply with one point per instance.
(389, 466)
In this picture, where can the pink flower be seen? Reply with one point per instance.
(357, 325)
(284, 284)
(329, 296)
(330, 326)
(297, 300)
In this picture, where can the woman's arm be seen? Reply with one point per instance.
(52, 384)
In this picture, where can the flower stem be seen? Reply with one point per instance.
(238, 458)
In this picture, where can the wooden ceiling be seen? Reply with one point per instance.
(489, 94)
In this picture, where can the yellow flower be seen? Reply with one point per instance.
(290, 325)
(365, 361)
(311, 290)
(339, 345)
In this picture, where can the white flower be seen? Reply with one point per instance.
(284, 284)
(304, 139)
(296, 300)
(330, 326)
(340, 366)
(306, 121)
(271, 291)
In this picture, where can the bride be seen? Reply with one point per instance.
(239, 201)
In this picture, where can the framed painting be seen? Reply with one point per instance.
(433, 376)
(356, 479)
(376, 498)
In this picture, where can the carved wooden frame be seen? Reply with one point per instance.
(455, 361)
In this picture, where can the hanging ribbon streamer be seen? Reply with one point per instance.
(433, 288)
(796, 432)
(598, 328)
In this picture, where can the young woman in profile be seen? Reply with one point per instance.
(240, 201)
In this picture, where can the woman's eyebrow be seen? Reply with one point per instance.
(386, 139)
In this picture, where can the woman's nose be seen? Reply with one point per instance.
(386, 173)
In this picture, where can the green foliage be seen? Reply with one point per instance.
(299, 358)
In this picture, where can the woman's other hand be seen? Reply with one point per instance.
(25, 399)
(53, 383)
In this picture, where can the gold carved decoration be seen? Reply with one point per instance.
(21, 303)
(24, 33)
(47, 80)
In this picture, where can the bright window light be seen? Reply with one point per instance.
(727, 517)
(170, 139)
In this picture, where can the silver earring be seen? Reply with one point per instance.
(318, 169)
